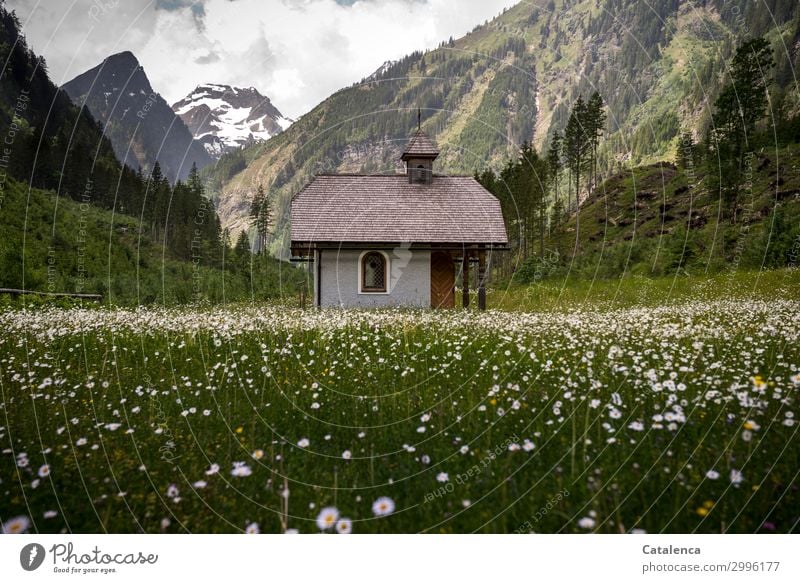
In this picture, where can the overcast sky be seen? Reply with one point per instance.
(296, 52)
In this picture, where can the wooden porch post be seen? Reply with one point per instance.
(465, 279)
(481, 280)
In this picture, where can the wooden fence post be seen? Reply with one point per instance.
(482, 280)
(465, 279)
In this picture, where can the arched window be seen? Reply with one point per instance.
(373, 272)
(421, 173)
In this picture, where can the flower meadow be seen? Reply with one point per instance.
(679, 418)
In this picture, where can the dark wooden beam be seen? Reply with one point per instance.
(465, 280)
(481, 280)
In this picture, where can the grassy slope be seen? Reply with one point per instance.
(573, 293)
(650, 222)
(55, 235)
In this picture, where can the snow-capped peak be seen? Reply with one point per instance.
(223, 117)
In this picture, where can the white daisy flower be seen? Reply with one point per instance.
(252, 528)
(16, 525)
(327, 518)
(212, 470)
(383, 506)
(442, 477)
(241, 470)
(44, 471)
(586, 522)
(344, 526)
(346, 454)
(303, 443)
(712, 474)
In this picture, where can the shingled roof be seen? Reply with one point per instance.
(420, 146)
(388, 208)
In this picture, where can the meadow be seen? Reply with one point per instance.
(603, 417)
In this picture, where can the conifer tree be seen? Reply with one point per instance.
(261, 217)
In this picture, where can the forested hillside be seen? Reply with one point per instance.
(67, 246)
(74, 219)
(658, 66)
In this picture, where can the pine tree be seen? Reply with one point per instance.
(685, 151)
(157, 199)
(594, 124)
(261, 217)
(739, 107)
(576, 151)
(554, 167)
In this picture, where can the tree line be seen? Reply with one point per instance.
(531, 186)
(540, 193)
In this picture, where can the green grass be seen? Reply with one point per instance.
(572, 293)
(51, 244)
(627, 412)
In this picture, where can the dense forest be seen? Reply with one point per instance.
(74, 219)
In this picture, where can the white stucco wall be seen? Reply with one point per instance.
(409, 285)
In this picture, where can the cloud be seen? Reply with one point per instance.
(297, 52)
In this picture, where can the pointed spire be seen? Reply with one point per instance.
(420, 146)
(419, 119)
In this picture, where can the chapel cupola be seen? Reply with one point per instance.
(419, 155)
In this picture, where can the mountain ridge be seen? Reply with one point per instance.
(141, 125)
(223, 117)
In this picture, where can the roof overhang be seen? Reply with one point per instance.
(304, 250)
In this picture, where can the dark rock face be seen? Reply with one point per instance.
(141, 125)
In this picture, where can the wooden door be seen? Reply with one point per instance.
(443, 279)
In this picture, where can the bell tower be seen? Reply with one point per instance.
(419, 155)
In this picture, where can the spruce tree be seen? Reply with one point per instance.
(576, 151)
(554, 168)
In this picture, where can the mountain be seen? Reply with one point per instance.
(224, 118)
(48, 142)
(141, 125)
(75, 219)
(658, 66)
